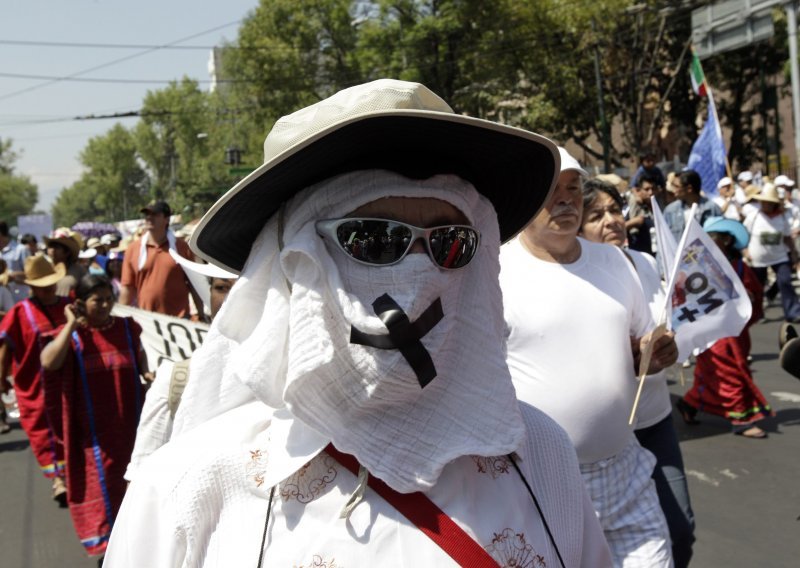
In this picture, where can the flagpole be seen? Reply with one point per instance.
(661, 328)
(712, 105)
(704, 84)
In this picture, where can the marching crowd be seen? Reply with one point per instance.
(430, 355)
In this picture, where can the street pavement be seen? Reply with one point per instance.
(745, 493)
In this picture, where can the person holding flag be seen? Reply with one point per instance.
(723, 383)
(603, 222)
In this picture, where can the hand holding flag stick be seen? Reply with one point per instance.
(658, 352)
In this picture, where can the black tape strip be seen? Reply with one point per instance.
(403, 335)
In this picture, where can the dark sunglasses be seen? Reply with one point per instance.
(383, 242)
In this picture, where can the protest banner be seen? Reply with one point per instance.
(165, 337)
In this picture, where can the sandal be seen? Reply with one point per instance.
(60, 492)
(752, 432)
(687, 412)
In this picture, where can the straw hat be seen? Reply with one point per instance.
(39, 272)
(67, 237)
(386, 124)
(769, 193)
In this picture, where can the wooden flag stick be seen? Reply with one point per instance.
(644, 363)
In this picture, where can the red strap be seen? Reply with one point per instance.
(428, 518)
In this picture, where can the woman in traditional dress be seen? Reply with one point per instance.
(98, 361)
(723, 383)
(21, 336)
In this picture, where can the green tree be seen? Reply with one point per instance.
(113, 185)
(18, 195)
(181, 141)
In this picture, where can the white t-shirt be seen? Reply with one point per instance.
(732, 212)
(654, 404)
(569, 348)
(766, 239)
(200, 501)
(155, 422)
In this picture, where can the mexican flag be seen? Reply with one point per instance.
(698, 78)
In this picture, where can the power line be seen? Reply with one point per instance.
(115, 61)
(100, 45)
(100, 79)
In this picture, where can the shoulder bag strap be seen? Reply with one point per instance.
(177, 383)
(427, 517)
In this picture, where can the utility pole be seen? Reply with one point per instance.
(791, 17)
(601, 105)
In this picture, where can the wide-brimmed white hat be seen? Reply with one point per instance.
(386, 124)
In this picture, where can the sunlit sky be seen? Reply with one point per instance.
(38, 113)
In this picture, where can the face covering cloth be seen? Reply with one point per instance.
(284, 338)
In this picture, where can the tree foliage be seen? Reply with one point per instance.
(542, 65)
(18, 195)
(113, 185)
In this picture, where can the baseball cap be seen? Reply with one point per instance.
(157, 206)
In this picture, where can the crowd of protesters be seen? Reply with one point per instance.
(577, 273)
(78, 373)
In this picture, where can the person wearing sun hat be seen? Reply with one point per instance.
(356, 374)
(64, 247)
(20, 344)
(772, 247)
(723, 383)
(573, 309)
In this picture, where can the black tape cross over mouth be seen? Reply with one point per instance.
(404, 335)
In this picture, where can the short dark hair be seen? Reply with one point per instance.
(648, 177)
(27, 238)
(593, 187)
(691, 177)
(3, 229)
(91, 283)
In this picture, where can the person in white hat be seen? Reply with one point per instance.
(573, 308)
(772, 247)
(351, 404)
(726, 199)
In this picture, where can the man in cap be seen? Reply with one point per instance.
(726, 199)
(14, 254)
(355, 406)
(687, 190)
(64, 247)
(577, 321)
(20, 346)
(151, 279)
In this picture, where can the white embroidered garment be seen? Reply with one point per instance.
(205, 502)
(143, 247)
(365, 400)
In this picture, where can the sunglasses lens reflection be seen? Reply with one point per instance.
(382, 242)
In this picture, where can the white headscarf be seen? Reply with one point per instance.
(290, 348)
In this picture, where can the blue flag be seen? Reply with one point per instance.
(708, 152)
